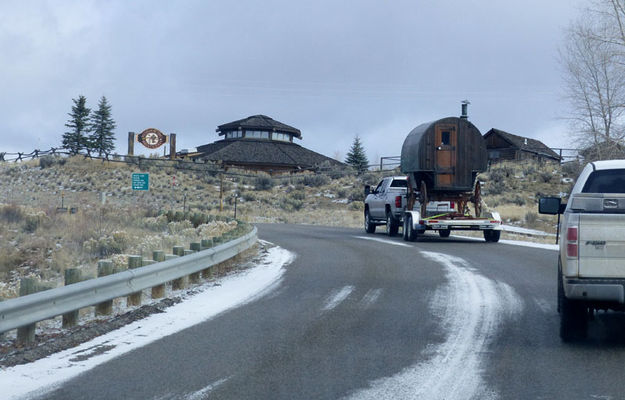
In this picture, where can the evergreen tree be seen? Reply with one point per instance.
(102, 126)
(356, 156)
(76, 138)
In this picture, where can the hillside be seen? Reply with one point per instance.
(110, 219)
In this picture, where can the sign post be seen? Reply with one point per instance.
(140, 181)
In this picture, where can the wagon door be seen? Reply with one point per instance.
(446, 140)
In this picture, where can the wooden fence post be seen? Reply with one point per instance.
(158, 291)
(105, 267)
(178, 250)
(26, 334)
(72, 275)
(135, 298)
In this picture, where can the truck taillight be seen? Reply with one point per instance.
(398, 201)
(452, 205)
(571, 245)
(571, 250)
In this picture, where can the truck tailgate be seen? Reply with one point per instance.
(602, 245)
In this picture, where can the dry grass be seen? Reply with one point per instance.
(36, 240)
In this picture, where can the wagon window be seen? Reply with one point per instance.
(445, 138)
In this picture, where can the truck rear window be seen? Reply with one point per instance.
(606, 181)
(399, 183)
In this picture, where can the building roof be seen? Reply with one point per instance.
(524, 144)
(263, 152)
(259, 122)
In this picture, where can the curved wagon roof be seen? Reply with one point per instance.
(448, 151)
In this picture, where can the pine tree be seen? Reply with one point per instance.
(76, 138)
(102, 126)
(356, 156)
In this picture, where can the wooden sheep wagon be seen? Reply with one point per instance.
(442, 159)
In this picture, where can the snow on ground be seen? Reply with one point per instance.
(25, 381)
(471, 307)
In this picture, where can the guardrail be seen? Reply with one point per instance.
(23, 311)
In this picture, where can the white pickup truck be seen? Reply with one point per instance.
(385, 204)
(591, 261)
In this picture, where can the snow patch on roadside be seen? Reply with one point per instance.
(39, 377)
(472, 307)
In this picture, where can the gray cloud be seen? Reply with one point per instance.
(334, 69)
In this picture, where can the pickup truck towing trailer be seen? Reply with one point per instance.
(388, 205)
(591, 261)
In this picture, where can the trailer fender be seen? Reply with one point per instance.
(415, 217)
(494, 216)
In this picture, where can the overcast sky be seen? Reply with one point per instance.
(333, 69)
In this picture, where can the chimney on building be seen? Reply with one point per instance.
(465, 106)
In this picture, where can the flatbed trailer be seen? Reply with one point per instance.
(415, 225)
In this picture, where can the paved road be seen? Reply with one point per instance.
(369, 317)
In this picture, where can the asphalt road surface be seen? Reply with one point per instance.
(371, 317)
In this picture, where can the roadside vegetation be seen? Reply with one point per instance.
(58, 213)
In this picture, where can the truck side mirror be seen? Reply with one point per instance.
(367, 190)
(550, 205)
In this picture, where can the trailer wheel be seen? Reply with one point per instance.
(444, 233)
(410, 234)
(369, 227)
(492, 235)
(392, 225)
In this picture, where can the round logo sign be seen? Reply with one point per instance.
(152, 138)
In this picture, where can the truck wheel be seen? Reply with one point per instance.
(487, 234)
(369, 227)
(392, 226)
(573, 321)
(444, 233)
(494, 236)
(410, 234)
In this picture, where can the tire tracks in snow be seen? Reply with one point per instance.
(471, 308)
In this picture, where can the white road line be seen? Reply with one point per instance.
(370, 297)
(201, 394)
(337, 298)
(383, 241)
(471, 307)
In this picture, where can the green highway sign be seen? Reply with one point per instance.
(140, 181)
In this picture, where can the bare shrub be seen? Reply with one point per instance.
(531, 218)
(315, 180)
(263, 183)
(11, 213)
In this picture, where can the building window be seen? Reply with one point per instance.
(257, 134)
(281, 136)
(234, 134)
